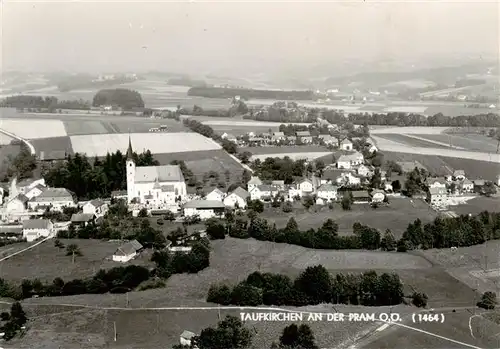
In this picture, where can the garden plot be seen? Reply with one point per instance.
(33, 128)
(157, 143)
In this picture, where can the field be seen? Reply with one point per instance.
(157, 143)
(478, 205)
(396, 216)
(411, 141)
(473, 142)
(4, 139)
(8, 150)
(417, 130)
(47, 262)
(33, 128)
(294, 156)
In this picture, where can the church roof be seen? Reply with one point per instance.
(130, 153)
(166, 173)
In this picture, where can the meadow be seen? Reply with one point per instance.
(33, 128)
(472, 142)
(294, 156)
(411, 141)
(157, 143)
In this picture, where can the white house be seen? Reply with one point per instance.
(25, 185)
(36, 228)
(215, 195)
(263, 192)
(35, 191)
(346, 145)
(372, 149)
(127, 251)
(388, 187)
(96, 207)
(229, 137)
(327, 192)
(349, 179)
(186, 338)
(17, 204)
(350, 160)
(437, 196)
(237, 198)
(153, 185)
(436, 183)
(363, 170)
(377, 195)
(55, 198)
(253, 182)
(204, 209)
(467, 186)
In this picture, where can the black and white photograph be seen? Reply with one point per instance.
(231, 174)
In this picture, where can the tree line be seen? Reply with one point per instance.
(115, 280)
(12, 323)
(230, 333)
(94, 179)
(245, 93)
(209, 132)
(21, 166)
(38, 103)
(313, 286)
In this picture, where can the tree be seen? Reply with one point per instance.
(215, 229)
(58, 243)
(245, 177)
(169, 216)
(287, 207)
(315, 283)
(17, 314)
(143, 213)
(229, 334)
(256, 206)
(376, 179)
(20, 166)
(388, 242)
(489, 189)
(396, 185)
(73, 250)
(119, 97)
(419, 299)
(347, 201)
(308, 202)
(298, 337)
(488, 300)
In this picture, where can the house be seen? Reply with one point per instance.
(347, 178)
(435, 182)
(17, 204)
(377, 195)
(253, 182)
(237, 198)
(388, 187)
(327, 192)
(229, 137)
(263, 192)
(186, 338)
(478, 184)
(467, 186)
(350, 160)
(36, 228)
(363, 170)
(35, 191)
(278, 184)
(25, 185)
(98, 208)
(361, 196)
(346, 145)
(278, 136)
(119, 194)
(459, 175)
(127, 251)
(328, 140)
(301, 134)
(437, 196)
(153, 185)
(204, 209)
(82, 218)
(306, 140)
(55, 198)
(372, 149)
(215, 195)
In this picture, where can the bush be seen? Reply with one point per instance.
(287, 207)
(488, 300)
(419, 299)
(159, 221)
(151, 284)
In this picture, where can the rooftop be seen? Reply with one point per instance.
(81, 217)
(54, 194)
(36, 224)
(242, 193)
(166, 173)
(129, 248)
(204, 204)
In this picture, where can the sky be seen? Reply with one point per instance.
(208, 37)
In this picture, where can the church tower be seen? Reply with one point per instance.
(130, 166)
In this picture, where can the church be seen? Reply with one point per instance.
(153, 185)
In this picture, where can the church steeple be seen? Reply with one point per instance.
(130, 153)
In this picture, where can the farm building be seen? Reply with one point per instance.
(350, 160)
(238, 197)
(263, 192)
(97, 208)
(82, 218)
(328, 140)
(55, 198)
(377, 195)
(435, 182)
(346, 145)
(127, 251)
(437, 196)
(364, 171)
(119, 194)
(325, 193)
(35, 191)
(11, 230)
(36, 228)
(459, 175)
(279, 184)
(16, 204)
(205, 209)
(361, 196)
(215, 195)
(26, 184)
(186, 337)
(467, 186)
(253, 182)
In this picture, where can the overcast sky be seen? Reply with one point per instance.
(247, 36)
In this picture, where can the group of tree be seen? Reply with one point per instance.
(38, 104)
(93, 179)
(313, 286)
(209, 132)
(246, 93)
(12, 323)
(21, 166)
(445, 232)
(285, 169)
(119, 97)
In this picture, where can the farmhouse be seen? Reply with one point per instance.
(347, 178)
(325, 193)
(278, 136)
(361, 196)
(98, 208)
(346, 145)
(55, 198)
(263, 192)
(253, 182)
(467, 186)
(459, 175)
(127, 251)
(35, 191)
(36, 228)
(153, 184)
(26, 184)
(186, 338)
(435, 182)
(350, 160)
(204, 209)
(437, 196)
(82, 218)
(377, 195)
(16, 204)
(237, 198)
(215, 195)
